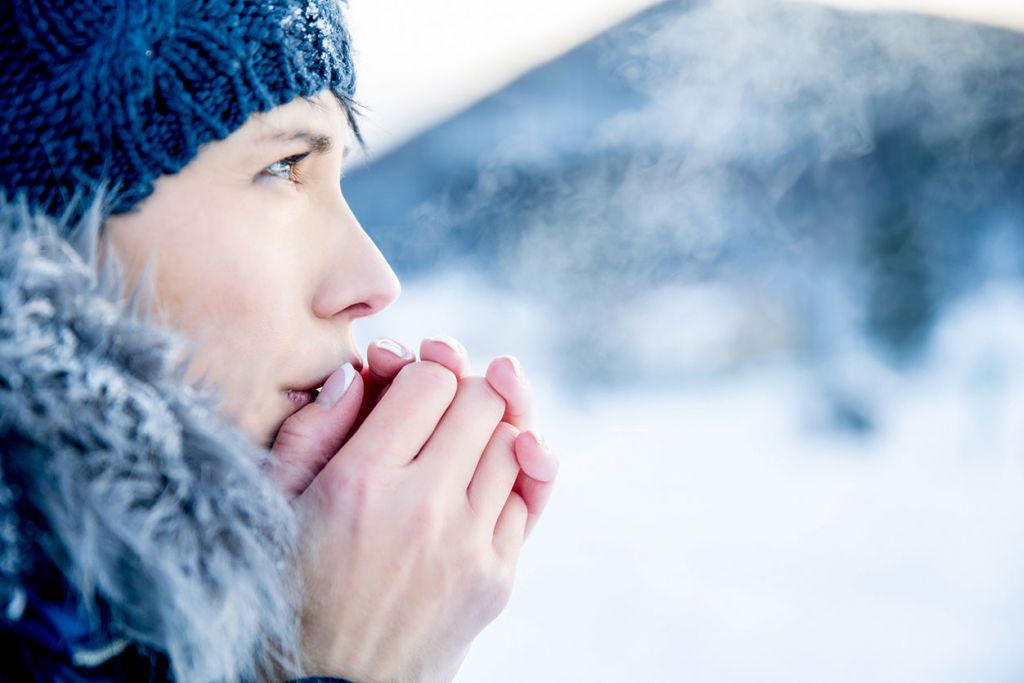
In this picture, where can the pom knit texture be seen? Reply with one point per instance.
(121, 92)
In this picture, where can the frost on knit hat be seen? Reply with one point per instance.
(124, 91)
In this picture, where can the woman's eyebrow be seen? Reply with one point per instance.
(318, 142)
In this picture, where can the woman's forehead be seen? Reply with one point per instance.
(322, 115)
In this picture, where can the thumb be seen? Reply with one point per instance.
(307, 440)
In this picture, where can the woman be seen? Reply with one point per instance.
(178, 501)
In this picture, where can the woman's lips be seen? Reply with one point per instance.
(301, 399)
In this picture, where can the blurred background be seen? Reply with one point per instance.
(762, 262)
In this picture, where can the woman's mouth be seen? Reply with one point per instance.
(308, 391)
(301, 399)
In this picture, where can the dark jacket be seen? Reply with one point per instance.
(139, 538)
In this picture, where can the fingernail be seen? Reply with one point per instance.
(448, 341)
(393, 347)
(546, 469)
(517, 369)
(336, 385)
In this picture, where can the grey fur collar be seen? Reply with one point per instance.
(146, 500)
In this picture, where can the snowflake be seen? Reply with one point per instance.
(313, 26)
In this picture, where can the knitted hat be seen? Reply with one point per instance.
(125, 91)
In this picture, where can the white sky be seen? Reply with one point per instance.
(420, 62)
(998, 12)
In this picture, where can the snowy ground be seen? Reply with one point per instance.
(707, 533)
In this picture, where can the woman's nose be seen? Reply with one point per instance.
(359, 281)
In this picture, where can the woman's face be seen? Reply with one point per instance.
(258, 259)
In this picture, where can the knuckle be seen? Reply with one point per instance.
(352, 484)
(501, 588)
(491, 589)
(474, 568)
(427, 520)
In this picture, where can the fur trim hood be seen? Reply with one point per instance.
(117, 471)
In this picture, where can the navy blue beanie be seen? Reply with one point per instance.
(121, 92)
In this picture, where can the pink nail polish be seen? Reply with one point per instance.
(336, 386)
(547, 468)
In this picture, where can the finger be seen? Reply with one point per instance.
(390, 356)
(506, 376)
(537, 476)
(510, 531)
(448, 352)
(454, 450)
(535, 495)
(385, 357)
(535, 458)
(494, 477)
(308, 439)
(396, 429)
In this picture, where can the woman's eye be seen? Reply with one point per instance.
(286, 169)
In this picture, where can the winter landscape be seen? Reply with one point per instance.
(763, 265)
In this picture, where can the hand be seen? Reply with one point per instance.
(366, 615)
(386, 357)
(308, 439)
(408, 551)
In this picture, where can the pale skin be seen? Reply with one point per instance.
(415, 489)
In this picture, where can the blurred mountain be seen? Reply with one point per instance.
(829, 175)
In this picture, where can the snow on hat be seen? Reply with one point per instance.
(125, 91)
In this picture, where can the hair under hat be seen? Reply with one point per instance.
(121, 92)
